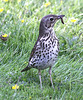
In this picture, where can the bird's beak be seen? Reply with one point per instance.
(61, 17)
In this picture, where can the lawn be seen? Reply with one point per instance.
(21, 19)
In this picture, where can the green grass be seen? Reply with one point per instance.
(67, 72)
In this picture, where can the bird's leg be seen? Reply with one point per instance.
(40, 78)
(50, 72)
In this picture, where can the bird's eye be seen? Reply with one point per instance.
(51, 19)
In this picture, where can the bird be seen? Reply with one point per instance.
(46, 48)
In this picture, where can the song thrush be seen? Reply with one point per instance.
(46, 48)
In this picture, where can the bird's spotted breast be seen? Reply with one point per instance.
(45, 53)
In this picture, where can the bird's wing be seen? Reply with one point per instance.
(34, 49)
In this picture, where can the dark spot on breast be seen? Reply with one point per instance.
(43, 46)
(46, 45)
(48, 61)
(57, 43)
(36, 62)
(39, 52)
(53, 59)
(33, 64)
(47, 38)
(50, 51)
(48, 57)
(36, 52)
(38, 56)
(43, 55)
(50, 54)
(56, 54)
(47, 53)
(51, 40)
(53, 46)
(56, 50)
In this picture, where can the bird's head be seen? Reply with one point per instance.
(49, 21)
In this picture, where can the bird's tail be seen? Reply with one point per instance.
(25, 69)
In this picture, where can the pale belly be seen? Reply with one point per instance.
(46, 60)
